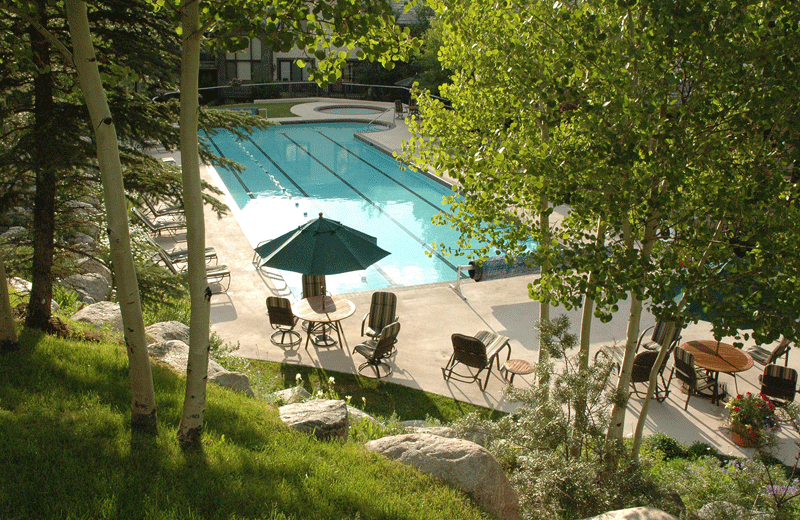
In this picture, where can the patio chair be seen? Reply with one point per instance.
(477, 352)
(658, 337)
(382, 311)
(158, 227)
(766, 357)
(377, 349)
(399, 111)
(696, 380)
(215, 274)
(640, 375)
(312, 285)
(779, 383)
(283, 321)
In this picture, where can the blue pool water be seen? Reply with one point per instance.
(295, 171)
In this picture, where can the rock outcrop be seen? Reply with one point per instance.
(463, 464)
(101, 314)
(635, 513)
(176, 354)
(327, 419)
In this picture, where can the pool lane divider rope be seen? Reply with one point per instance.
(375, 205)
(426, 201)
(235, 173)
(278, 167)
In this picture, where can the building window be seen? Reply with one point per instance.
(241, 63)
(289, 71)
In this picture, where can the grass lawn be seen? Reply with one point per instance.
(68, 450)
(282, 109)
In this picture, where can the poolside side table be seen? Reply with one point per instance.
(514, 367)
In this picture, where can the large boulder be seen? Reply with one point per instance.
(296, 394)
(463, 464)
(635, 513)
(91, 287)
(176, 354)
(100, 315)
(167, 331)
(235, 381)
(327, 419)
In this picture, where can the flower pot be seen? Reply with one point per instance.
(746, 438)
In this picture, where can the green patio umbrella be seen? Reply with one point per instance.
(321, 246)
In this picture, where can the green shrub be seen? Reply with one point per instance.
(554, 443)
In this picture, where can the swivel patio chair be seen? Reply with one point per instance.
(696, 380)
(377, 349)
(766, 357)
(640, 375)
(283, 321)
(658, 337)
(478, 353)
(779, 383)
(382, 311)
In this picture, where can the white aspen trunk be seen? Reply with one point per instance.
(194, 403)
(588, 307)
(143, 409)
(617, 424)
(8, 329)
(671, 331)
(544, 307)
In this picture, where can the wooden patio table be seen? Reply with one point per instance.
(322, 312)
(716, 357)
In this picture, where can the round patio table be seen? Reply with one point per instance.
(716, 357)
(323, 312)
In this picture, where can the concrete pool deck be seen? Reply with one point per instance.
(430, 314)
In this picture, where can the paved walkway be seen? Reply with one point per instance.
(430, 314)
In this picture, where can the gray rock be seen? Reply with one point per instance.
(441, 431)
(176, 354)
(14, 232)
(722, 510)
(168, 330)
(357, 415)
(92, 266)
(233, 380)
(326, 418)
(21, 286)
(463, 464)
(100, 315)
(635, 513)
(91, 287)
(293, 395)
(83, 242)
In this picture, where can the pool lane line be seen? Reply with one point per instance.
(234, 172)
(301, 190)
(375, 205)
(426, 201)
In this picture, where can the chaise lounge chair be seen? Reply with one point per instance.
(158, 227)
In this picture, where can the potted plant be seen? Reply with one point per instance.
(751, 419)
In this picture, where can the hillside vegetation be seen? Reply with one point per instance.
(68, 452)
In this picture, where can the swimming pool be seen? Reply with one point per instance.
(295, 171)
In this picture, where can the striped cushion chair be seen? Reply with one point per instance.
(658, 337)
(695, 380)
(382, 311)
(766, 357)
(779, 382)
(313, 285)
